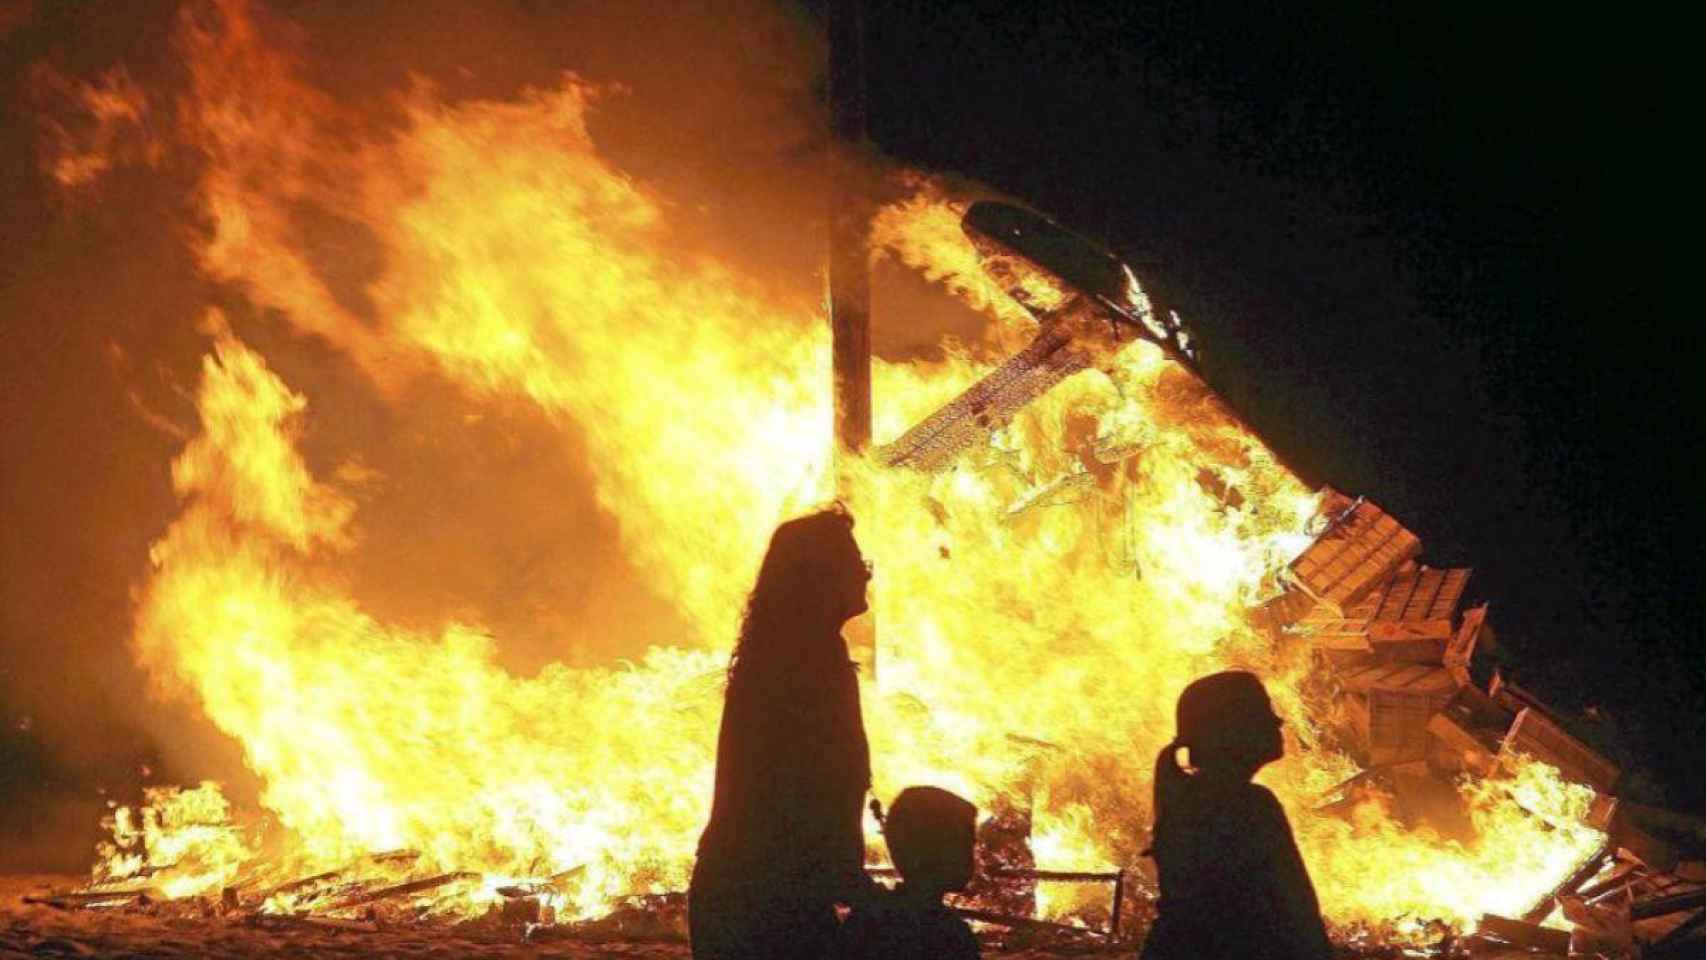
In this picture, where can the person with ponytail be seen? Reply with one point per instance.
(785, 841)
(1232, 882)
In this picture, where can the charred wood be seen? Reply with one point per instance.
(1582, 874)
(1678, 938)
(1675, 903)
(401, 890)
(1539, 736)
(1523, 934)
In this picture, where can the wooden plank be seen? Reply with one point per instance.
(1337, 634)
(1398, 725)
(1678, 934)
(1514, 698)
(1528, 935)
(1355, 556)
(1673, 903)
(1371, 672)
(849, 262)
(1025, 923)
(1475, 710)
(1538, 736)
(1428, 583)
(1413, 641)
(1278, 615)
(1356, 709)
(1622, 824)
(1618, 877)
(1582, 874)
(400, 890)
(1396, 596)
(1468, 748)
(1450, 594)
(1460, 652)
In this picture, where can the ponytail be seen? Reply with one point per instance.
(1169, 781)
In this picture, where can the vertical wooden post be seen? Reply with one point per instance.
(849, 229)
(850, 273)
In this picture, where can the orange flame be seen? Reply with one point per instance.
(1039, 608)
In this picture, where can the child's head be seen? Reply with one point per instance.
(930, 834)
(1228, 723)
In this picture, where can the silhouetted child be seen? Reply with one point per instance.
(930, 834)
(1232, 883)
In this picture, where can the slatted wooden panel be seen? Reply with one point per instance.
(1277, 615)
(1355, 556)
(1537, 735)
(1461, 651)
(1423, 594)
(1465, 746)
(1450, 594)
(1474, 710)
(1413, 641)
(1399, 677)
(1369, 605)
(1402, 592)
(1398, 724)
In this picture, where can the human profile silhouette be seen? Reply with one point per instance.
(1232, 882)
(785, 840)
(931, 835)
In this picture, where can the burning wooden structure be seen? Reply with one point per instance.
(1398, 641)
(1058, 591)
(1394, 638)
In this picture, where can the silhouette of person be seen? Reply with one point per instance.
(930, 834)
(1232, 883)
(785, 842)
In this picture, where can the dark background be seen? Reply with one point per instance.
(1422, 246)
(1425, 249)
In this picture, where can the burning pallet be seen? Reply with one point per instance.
(1396, 637)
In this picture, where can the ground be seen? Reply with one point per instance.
(36, 931)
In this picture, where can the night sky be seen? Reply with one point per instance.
(1421, 248)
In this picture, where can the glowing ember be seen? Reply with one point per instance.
(1039, 608)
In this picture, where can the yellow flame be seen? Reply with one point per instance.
(1039, 608)
(179, 841)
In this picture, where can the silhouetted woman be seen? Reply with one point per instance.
(785, 842)
(1232, 883)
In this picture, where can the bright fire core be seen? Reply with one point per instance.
(1037, 609)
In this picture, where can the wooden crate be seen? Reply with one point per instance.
(1280, 616)
(1460, 652)
(1424, 594)
(1539, 736)
(1624, 827)
(1390, 705)
(1469, 731)
(1358, 553)
(1416, 610)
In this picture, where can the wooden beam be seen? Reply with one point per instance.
(1521, 934)
(849, 229)
(1675, 903)
(399, 890)
(1582, 874)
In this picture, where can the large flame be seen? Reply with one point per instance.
(1038, 609)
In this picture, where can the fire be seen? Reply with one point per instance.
(185, 834)
(1038, 610)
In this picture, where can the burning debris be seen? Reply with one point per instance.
(1393, 635)
(1087, 305)
(1041, 606)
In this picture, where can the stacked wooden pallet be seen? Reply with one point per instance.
(1401, 645)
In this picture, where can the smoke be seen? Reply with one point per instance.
(715, 109)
